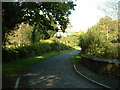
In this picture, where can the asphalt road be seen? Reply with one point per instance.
(55, 72)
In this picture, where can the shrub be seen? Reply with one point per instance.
(31, 50)
(9, 54)
(111, 51)
(94, 43)
(23, 52)
(74, 39)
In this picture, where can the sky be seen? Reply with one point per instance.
(86, 14)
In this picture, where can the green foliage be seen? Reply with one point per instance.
(94, 43)
(91, 42)
(21, 36)
(76, 59)
(11, 54)
(42, 15)
(100, 39)
(111, 51)
(74, 39)
(51, 33)
(10, 68)
(26, 35)
(22, 52)
(11, 15)
(109, 27)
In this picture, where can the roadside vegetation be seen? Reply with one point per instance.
(20, 53)
(73, 38)
(28, 32)
(16, 58)
(12, 54)
(12, 68)
(28, 35)
(76, 59)
(102, 39)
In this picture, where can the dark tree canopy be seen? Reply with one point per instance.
(37, 14)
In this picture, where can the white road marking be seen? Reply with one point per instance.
(17, 82)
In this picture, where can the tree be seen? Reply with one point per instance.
(112, 8)
(108, 27)
(11, 15)
(37, 14)
(21, 36)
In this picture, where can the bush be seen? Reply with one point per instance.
(74, 39)
(111, 51)
(23, 52)
(94, 43)
(39, 48)
(9, 54)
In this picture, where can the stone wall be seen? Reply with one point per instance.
(109, 67)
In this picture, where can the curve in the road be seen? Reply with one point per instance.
(55, 72)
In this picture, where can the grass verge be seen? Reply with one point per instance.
(10, 68)
(76, 59)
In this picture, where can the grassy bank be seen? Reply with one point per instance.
(76, 59)
(10, 68)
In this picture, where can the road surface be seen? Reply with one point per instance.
(55, 72)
